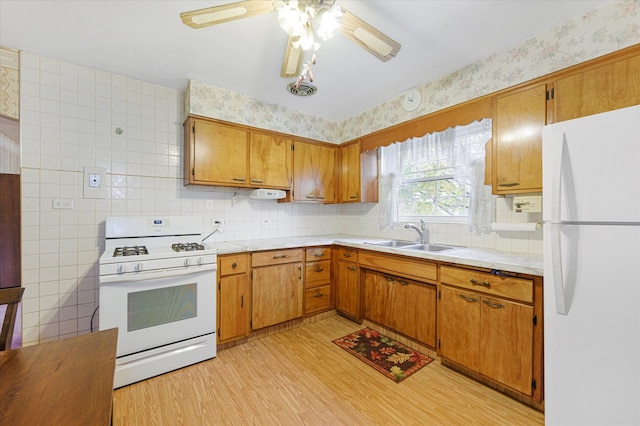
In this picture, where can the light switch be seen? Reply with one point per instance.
(94, 178)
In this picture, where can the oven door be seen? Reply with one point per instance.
(160, 310)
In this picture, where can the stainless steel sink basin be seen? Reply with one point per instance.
(392, 243)
(430, 247)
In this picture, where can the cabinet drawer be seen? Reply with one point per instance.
(233, 264)
(511, 287)
(416, 268)
(346, 254)
(318, 299)
(275, 257)
(318, 253)
(317, 272)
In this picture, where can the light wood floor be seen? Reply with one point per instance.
(299, 377)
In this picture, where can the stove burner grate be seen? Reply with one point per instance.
(187, 246)
(130, 251)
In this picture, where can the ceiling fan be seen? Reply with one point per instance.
(307, 15)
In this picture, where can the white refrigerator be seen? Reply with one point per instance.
(591, 213)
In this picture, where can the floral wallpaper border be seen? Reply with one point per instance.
(600, 31)
(9, 83)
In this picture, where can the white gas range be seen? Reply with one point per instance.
(158, 287)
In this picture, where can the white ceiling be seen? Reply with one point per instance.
(146, 40)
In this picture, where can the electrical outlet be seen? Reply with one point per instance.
(63, 203)
(94, 182)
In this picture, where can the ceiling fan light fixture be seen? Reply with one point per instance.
(328, 22)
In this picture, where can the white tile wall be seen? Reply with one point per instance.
(69, 120)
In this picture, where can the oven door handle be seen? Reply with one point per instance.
(156, 274)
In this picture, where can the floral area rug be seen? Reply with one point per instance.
(389, 357)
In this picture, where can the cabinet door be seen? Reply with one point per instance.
(233, 309)
(605, 88)
(277, 294)
(219, 154)
(414, 310)
(350, 173)
(325, 174)
(270, 161)
(304, 185)
(314, 173)
(506, 346)
(518, 119)
(348, 289)
(459, 327)
(378, 295)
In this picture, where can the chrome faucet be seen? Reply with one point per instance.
(422, 231)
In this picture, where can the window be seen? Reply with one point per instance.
(432, 176)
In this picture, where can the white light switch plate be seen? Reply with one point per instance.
(93, 182)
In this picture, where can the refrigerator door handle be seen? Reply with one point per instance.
(556, 266)
(556, 180)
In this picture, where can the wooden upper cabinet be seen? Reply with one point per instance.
(358, 174)
(518, 119)
(215, 153)
(314, 173)
(350, 173)
(270, 161)
(605, 88)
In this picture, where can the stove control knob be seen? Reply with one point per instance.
(200, 261)
(187, 262)
(138, 267)
(120, 269)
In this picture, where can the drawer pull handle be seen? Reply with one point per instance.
(319, 254)
(281, 256)
(351, 268)
(509, 185)
(346, 254)
(311, 197)
(493, 305)
(318, 269)
(484, 283)
(256, 180)
(242, 301)
(403, 282)
(238, 179)
(234, 265)
(318, 294)
(353, 197)
(468, 298)
(389, 278)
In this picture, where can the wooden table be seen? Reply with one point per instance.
(67, 382)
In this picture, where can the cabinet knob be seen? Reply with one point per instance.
(234, 265)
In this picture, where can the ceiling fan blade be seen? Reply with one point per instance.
(225, 13)
(372, 40)
(292, 63)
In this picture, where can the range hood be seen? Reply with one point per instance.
(267, 194)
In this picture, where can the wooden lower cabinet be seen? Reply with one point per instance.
(406, 306)
(347, 284)
(234, 297)
(490, 335)
(277, 287)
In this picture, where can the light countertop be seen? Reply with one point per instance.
(483, 258)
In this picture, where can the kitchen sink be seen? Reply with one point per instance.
(430, 247)
(392, 243)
